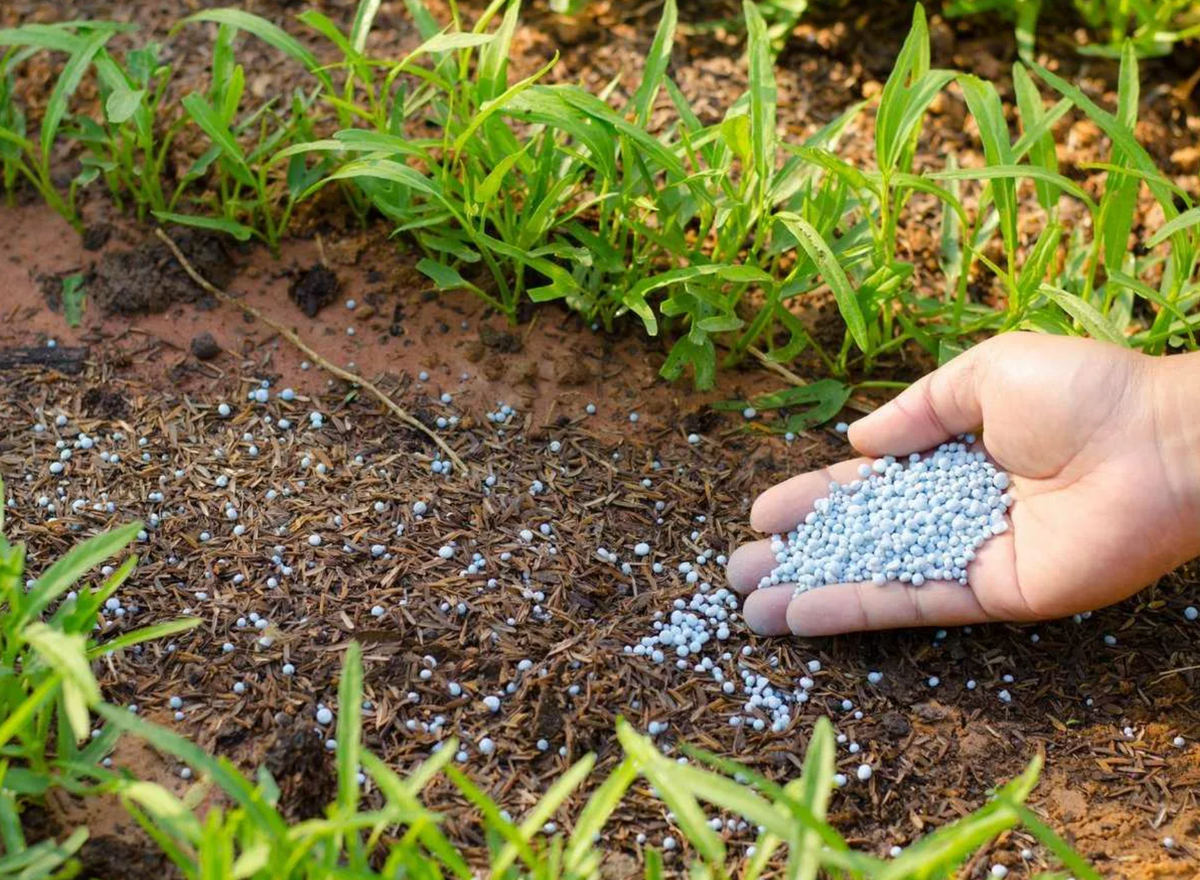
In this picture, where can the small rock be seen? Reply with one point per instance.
(204, 347)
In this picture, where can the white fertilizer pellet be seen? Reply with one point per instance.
(911, 522)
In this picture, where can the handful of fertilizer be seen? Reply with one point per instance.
(911, 521)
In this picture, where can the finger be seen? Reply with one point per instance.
(933, 409)
(841, 608)
(765, 611)
(994, 581)
(749, 564)
(782, 507)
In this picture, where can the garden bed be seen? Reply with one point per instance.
(1106, 714)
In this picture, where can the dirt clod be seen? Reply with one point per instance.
(501, 340)
(303, 769)
(148, 278)
(101, 404)
(96, 236)
(314, 290)
(204, 347)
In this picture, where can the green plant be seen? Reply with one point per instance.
(382, 829)
(247, 199)
(46, 683)
(127, 147)
(1153, 27)
(74, 293)
(45, 860)
(81, 41)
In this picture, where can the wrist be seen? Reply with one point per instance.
(1175, 381)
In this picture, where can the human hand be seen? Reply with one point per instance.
(1103, 448)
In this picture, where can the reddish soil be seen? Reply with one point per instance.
(937, 751)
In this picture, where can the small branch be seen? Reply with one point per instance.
(316, 358)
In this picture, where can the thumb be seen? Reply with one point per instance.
(933, 409)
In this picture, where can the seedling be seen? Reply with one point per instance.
(81, 42)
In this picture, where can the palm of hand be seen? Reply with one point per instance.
(1095, 517)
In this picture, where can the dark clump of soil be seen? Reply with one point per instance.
(111, 858)
(204, 347)
(303, 770)
(149, 279)
(101, 404)
(314, 290)
(96, 236)
(501, 340)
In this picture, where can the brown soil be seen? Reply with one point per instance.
(147, 278)
(937, 752)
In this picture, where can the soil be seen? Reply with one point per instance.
(1114, 795)
(314, 289)
(148, 278)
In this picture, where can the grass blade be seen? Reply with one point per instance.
(595, 813)
(1010, 172)
(827, 264)
(364, 17)
(1085, 313)
(1042, 153)
(763, 97)
(544, 809)
(492, 76)
(985, 106)
(657, 770)
(215, 224)
(65, 86)
(1186, 220)
(269, 33)
(655, 67)
(349, 729)
(67, 569)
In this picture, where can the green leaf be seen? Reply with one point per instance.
(349, 729)
(214, 224)
(41, 36)
(815, 788)
(1042, 152)
(67, 569)
(1001, 172)
(763, 96)
(144, 634)
(487, 190)
(65, 654)
(635, 298)
(1186, 220)
(122, 104)
(493, 106)
(700, 355)
(364, 17)
(985, 106)
(73, 294)
(559, 791)
(655, 66)
(269, 33)
(678, 798)
(444, 277)
(203, 114)
(65, 86)
(266, 820)
(827, 264)
(1096, 325)
(596, 811)
(492, 75)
